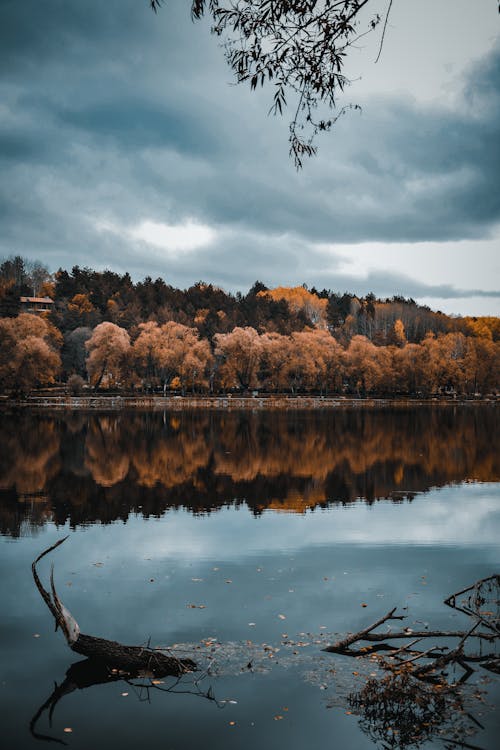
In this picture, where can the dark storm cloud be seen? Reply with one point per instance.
(112, 113)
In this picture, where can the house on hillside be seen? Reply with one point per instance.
(36, 305)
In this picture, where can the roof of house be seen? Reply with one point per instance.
(45, 300)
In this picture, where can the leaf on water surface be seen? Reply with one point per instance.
(282, 617)
(67, 730)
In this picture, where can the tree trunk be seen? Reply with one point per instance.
(111, 653)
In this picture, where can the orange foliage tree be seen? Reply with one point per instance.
(173, 350)
(108, 348)
(366, 365)
(300, 299)
(29, 353)
(238, 357)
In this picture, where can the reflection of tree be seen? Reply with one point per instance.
(28, 460)
(170, 460)
(107, 457)
(89, 672)
(398, 712)
(104, 466)
(419, 692)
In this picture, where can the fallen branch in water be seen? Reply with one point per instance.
(133, 659)
(427, 663)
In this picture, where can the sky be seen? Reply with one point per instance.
(125, 144)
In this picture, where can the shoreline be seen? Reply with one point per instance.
(232, 403)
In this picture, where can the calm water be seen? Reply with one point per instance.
(232, 536)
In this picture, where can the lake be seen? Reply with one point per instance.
(248, 541)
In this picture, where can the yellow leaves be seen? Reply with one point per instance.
(300, 299)
(81, 304)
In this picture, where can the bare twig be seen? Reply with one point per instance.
(383, 31)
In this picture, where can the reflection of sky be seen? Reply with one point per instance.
(457, 515)
(257, 578)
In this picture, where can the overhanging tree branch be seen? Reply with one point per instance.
(299, 46)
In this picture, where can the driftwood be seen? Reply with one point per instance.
(111, 654)
(428, 663)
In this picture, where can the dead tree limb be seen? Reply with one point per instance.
(115, 655)
(426, 663)
(365, 634)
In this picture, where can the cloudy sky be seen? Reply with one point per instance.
(124, 144)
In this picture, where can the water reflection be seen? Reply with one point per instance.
(83, 468)
(91, 672)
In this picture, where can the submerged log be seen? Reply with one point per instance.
(114, 655)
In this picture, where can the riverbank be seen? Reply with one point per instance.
(233, 403)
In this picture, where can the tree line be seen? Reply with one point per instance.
(105, 331)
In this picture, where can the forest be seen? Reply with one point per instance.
(101, 331)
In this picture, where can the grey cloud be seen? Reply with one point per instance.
(117, 114)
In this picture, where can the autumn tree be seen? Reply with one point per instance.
(299, 298)
(314, 362)
(482, 365)
(108, 350)
(29, 353)
(238, 357)
(274, 355)
(443, 362)
(171, 350)
(365, 365)
(407, 368)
